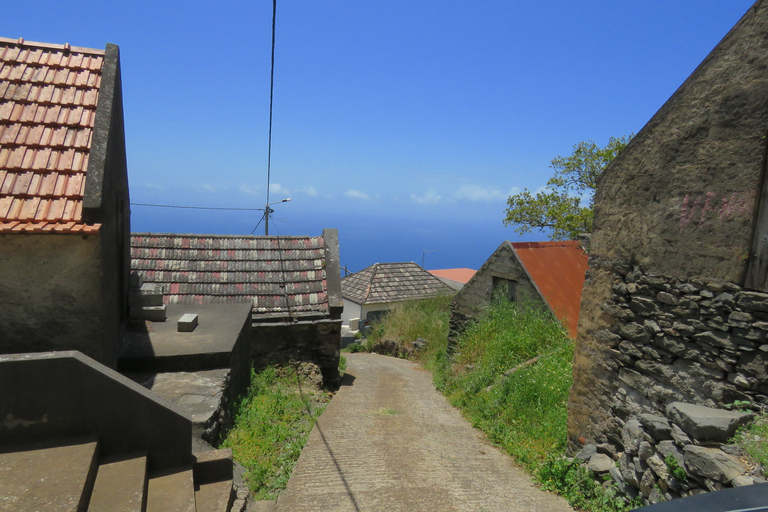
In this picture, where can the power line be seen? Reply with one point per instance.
(197, 207)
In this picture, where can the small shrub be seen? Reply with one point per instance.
(272, 424)
(674, 468)
(753, 439)
(576, 483)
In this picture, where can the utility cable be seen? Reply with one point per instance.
(197, 207)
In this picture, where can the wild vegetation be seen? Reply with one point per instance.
(272, 424)
(559, 209)
(510, 376)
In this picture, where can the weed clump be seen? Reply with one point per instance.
(272, 424)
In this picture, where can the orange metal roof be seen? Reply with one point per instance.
(48, 96)
(558, 270)
(461, 275)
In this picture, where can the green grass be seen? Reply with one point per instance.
(408, 321)
(525, 412)
(272, 424)
(753, 439)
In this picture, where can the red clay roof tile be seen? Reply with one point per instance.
(48, 98)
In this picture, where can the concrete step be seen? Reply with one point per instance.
(171, 490)
(214, 496)
(49, 477)
(121, 485)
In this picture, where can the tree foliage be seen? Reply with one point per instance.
(559, 206)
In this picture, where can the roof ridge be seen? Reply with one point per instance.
(20, 42)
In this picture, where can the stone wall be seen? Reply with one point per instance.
(682, 453)
(665, 315)
(51, 296)
(318, 342)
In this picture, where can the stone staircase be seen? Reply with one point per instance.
(77, 479)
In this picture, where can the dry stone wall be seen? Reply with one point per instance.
(701, 342)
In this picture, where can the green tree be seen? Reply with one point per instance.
(559, 206)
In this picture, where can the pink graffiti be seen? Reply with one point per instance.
(702, 207)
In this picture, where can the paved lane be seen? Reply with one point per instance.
(388, 441)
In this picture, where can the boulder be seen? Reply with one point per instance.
(705, 423)
(712, 463)
(600, 463)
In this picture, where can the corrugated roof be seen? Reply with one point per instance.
(278, 275)
(557, 269)
(48, 97)
(461, 275)
(392, 282)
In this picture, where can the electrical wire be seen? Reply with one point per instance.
(197, 207)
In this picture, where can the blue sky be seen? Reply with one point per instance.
(403, 124)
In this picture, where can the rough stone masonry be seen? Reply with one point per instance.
(673, 308)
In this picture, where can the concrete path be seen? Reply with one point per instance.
(388, 441)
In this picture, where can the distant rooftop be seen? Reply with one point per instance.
(462, 275)
(48, 97)
(392, 282)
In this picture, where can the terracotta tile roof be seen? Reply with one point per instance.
(278, 275)
(461, 275)
(48, 96)
(392, 282)
(557, 269)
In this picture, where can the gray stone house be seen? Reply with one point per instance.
(64, 205)
(292, 284)
(548, 273)
(674, 307)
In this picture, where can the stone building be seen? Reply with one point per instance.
(292, 283)
(549, 273)
(673, 308)
(64, 205)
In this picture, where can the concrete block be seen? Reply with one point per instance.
(151, 313)
(187, 323)
(148, 295)
(354, 324)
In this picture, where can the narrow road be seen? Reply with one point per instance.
(388, 441)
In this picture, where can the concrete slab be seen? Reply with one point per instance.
(48, 479)
(219, 325)
(120, 485)
(200, 395)
(171, 490)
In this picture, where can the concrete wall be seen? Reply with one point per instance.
(318, 342)
(65, 394)
(351, 310)
(663, 312)
(478, 292)
(51, 296)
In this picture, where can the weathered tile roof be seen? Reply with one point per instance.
(280, 276)
(392, 282)
(48, 96)
(557, 269)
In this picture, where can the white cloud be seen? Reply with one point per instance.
(429, 197)
(276, 188)
(356, 194)
(209, 187)
(310, 191)
(154, 186)
(478, 193)
(513, 191)
(246, 189)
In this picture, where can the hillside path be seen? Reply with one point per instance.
(388, 441)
